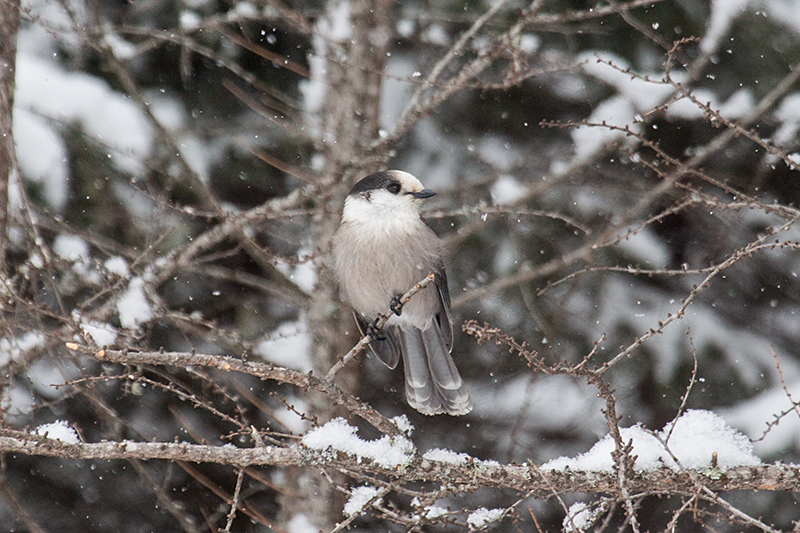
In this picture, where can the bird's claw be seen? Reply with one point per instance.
(375, 331)
(396, 305)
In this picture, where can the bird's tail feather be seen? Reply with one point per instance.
(433, 384)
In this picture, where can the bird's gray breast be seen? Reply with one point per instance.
(373, 265)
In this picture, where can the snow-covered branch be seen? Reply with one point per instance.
(458, 473)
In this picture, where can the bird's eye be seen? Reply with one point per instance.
(393, 188)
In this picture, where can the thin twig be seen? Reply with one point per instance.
(18, 508)
(345, 524)
(260, 370)
(382, 319)
(685, 397)
(235, 501)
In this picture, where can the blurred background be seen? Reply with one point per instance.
(142, 125)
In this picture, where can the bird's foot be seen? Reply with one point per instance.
(396, 305)
(375, 331)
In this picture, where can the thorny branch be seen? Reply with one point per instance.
(669, 181)
(624, 473)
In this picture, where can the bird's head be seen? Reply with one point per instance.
(389, 195)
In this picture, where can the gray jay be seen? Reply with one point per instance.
(381, 249)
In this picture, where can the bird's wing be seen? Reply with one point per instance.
(388, 350)
(443, 319)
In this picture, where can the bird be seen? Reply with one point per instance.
(381, 249)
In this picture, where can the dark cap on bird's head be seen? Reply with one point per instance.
(393, 181)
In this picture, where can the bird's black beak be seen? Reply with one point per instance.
(424, 193)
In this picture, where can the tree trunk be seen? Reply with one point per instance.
(350, 120)
(9, 26)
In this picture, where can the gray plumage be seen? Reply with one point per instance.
(381, 249)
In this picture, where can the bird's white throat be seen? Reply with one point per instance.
(383, 214)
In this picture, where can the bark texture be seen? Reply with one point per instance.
(9, 27)
(351, 109)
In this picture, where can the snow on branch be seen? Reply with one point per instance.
(467, 477)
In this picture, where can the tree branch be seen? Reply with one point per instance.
(468, 476)
(260, 370)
